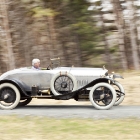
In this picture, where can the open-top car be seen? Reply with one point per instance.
(19, 86)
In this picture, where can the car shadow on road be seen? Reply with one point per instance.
(56, 107)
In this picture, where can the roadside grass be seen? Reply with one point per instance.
(43, 128)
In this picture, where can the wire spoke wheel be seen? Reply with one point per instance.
(62, 83)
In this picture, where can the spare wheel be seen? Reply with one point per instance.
(62, 83)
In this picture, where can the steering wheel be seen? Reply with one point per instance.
(49, 67)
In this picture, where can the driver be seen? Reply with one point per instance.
(35, 64)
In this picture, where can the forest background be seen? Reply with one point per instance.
(87, 33)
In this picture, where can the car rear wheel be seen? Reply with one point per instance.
(9, 96)
(102, 96)
(24, 102)
(62, 83)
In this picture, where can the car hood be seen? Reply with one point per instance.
(79, 71)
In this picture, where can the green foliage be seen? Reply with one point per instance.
(39, 12)
(74, 14)
(74, 22)
(114, 49)
(98, 3)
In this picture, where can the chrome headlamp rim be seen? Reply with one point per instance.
(117, 76)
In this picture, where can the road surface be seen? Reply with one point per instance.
(75, 111)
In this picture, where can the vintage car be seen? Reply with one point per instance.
(19, 86)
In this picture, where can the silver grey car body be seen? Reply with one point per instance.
(42, 78)
(78, 83)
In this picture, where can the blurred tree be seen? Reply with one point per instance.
(98, 5)
(120, 24)
(67, 29)
(76, 28)
(6, 40)
(133, 34)
(129, 28)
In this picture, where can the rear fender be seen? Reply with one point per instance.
(18, 84)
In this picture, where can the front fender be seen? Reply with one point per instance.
(18, 84)
(99, 80)
(74, 93)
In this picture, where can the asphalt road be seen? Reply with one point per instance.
(75, 111)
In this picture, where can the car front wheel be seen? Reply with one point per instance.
(102, 96)
(9, 96)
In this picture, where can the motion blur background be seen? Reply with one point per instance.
(83, 33)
